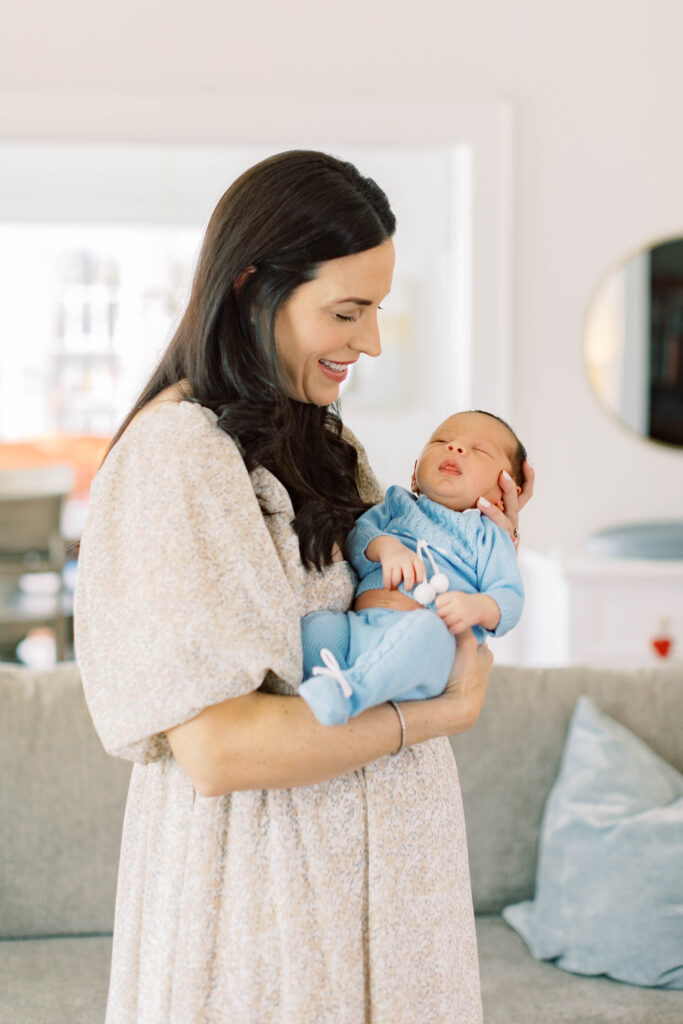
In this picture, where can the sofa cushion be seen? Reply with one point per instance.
(61, 808)
(509, 761)
(63, 981)
(516, 989)
(609, 886)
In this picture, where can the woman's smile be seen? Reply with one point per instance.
(335, 371)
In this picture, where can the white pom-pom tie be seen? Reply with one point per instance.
(440, 582)
(425, 592)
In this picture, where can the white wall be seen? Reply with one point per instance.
(595, 87)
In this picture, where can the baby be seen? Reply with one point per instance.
(395, 645)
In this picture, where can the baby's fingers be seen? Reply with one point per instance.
(396, 576)
(455, 623)
(413, 572)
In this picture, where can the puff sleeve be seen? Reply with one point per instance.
(181, 600)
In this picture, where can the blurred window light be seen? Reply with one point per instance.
(87, 311)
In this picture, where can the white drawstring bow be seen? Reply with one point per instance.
(332, 669)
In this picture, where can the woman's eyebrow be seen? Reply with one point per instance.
(358, 302)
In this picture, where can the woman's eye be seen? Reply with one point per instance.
(346, 319)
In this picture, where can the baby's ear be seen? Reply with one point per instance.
(413, 483)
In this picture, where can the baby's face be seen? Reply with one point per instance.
(463, 460)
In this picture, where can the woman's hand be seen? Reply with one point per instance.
(463, 697)
(512, 502)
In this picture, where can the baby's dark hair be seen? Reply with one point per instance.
(518, 451)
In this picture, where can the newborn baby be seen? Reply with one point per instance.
(398, 642)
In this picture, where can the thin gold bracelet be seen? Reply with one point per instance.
(403, 728)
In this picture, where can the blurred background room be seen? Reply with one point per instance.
(532, 154)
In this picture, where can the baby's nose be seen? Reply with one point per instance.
(455, 447)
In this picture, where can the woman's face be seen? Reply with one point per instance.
(327, 323)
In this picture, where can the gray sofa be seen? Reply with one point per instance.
(62, 800)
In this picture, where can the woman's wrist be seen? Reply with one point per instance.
(438, 716)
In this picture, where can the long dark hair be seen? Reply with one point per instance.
(283, 217)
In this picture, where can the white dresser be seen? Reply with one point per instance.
(584, 609)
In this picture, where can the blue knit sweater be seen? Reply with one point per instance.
(477, 556)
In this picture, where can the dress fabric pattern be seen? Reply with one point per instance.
(344, 902)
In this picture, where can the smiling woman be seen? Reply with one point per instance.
(274, 889)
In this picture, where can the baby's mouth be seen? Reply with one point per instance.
(451, 467)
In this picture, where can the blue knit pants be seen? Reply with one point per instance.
(383, 654)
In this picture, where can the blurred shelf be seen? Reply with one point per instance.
(33, 609)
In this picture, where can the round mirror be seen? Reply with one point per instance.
(634, 342)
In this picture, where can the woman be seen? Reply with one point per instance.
(272, 869)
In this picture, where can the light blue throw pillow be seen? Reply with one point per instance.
(609, 885)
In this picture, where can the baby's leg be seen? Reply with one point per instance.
(324, 629)
(321, 630)
(392, 655)
(411, 661)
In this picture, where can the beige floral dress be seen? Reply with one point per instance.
(338, 903)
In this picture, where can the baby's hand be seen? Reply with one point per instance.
(461, 611)
(398, 562)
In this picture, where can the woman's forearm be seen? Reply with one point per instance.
(267, 741)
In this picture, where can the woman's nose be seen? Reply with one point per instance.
(368, 340)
